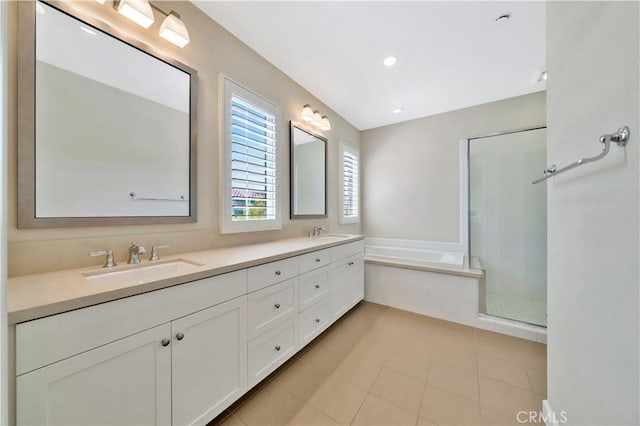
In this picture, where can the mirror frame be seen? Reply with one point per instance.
(292, 187)
(26, 125)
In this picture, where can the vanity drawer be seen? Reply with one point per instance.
(317, 259)
(314, 321)
(346, 250)
(270, 273)
(271, 306)
(269, 351)
(314, 286)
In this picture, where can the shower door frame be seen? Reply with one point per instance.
(465, 193)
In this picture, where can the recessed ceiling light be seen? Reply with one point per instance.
(390, 61)
(398, 110)
(503, 18)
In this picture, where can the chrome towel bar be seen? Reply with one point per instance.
(620, 137)
(134, 197)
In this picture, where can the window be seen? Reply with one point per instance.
(250, 154)
(350, 184)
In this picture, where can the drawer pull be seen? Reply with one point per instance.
(317, 260)
(318, 320)
(165, 342)
(180, 336)
(278, 273)
(277, 306)
(277, 348)
(351, 263)
(317, 285)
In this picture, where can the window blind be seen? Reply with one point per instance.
(350, 185)
(253, 162)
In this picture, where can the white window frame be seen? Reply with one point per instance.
(345, 147)
(228, 88)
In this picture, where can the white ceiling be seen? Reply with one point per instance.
(451, 55)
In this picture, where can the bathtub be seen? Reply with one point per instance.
(433, 279)
(416, 256)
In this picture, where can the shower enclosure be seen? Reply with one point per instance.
(508, 223)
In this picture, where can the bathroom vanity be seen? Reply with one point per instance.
(179, 345)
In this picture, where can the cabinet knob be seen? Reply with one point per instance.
(180, 336)
(317, 260)
(351, 263)
(278, 273)
(277, 348)
(317, 286)
(318, 320)
(165, 342)
(277, 306)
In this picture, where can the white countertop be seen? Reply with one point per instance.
(35, 296)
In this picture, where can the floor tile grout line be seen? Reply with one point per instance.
(424, 391)
(475, 339)
(365, 397)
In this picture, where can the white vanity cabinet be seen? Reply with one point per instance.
(183, 354)
(183, 371)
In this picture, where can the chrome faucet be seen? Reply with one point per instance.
(154, 251)
(109, 262)
(134, 253)
(316, 231)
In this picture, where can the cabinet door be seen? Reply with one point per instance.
(347, 284)
(125, 382)
(340, 292)
(209, 361)
(356, 279)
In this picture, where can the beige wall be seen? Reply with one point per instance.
(212, 50)
(411, 170)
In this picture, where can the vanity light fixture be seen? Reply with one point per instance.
(317, 119)
(139, 11)
(314, 117)
(174, 30)
(326, 124)
(307, 113)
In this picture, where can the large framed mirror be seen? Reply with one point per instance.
(308, 174)
(106, 126)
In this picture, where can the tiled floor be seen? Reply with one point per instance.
(383, 366)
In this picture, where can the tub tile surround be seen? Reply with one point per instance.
(381, 365)
(436, 291)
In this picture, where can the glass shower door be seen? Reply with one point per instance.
(508, 223)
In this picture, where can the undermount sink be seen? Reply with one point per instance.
(333, 236)
(143, 272)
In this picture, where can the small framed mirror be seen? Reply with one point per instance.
(308, 174)
(106, 125)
